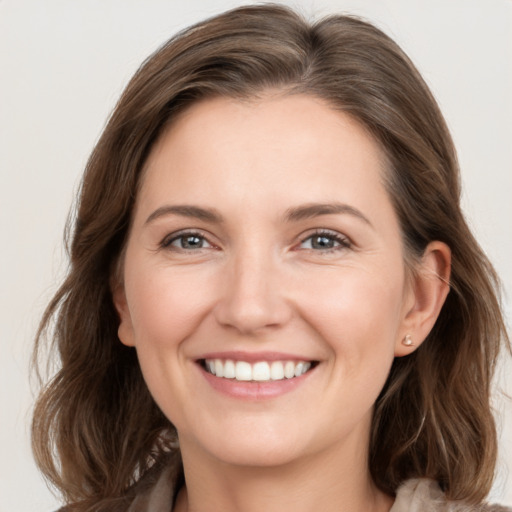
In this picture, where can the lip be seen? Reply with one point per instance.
(254, 357)
(254, 391)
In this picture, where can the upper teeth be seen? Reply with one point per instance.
(260, 371)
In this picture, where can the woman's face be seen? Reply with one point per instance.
(263, 244)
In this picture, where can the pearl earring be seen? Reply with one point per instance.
(407, 341)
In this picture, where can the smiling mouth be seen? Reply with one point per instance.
(261, 371)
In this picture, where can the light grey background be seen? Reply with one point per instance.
(63, 63)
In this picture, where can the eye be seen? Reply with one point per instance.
(324, 241)
(186, 241)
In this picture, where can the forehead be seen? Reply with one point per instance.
(286, 148)
(303, 117)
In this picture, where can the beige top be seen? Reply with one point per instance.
(418, 495)
(422, 495)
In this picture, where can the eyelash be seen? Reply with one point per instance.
(168, 240)
(343, 242)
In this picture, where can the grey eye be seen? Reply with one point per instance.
(187, 241)
(191, 242)
(323, 242)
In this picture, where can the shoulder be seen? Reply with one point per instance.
(154, 492)
(419, 495)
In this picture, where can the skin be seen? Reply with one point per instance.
(257, 281)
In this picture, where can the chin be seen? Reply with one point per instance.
(258, 455)
(255, 447)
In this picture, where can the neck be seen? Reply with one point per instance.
(329, 481)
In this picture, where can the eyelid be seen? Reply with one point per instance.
(175, 235)
(343, 240)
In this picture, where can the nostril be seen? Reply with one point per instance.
(248, 316)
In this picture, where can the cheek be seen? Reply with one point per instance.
(358, 315)
(355, 301)
(166, 306)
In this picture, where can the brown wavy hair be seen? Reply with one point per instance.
(96, 429)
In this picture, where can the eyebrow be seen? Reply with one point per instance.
(195, 212)
(312, 210)
(295, 214)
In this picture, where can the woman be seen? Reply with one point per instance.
(274, 300)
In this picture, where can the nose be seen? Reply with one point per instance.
(254, 294)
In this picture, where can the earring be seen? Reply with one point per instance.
(407, 341)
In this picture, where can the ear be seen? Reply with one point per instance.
(125, 330)
(428, 289)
